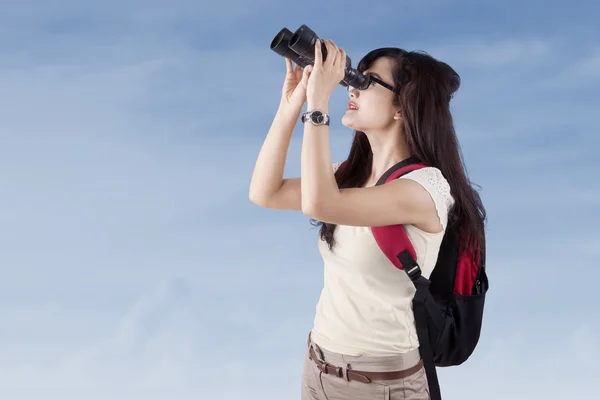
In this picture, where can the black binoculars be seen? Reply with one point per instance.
(300, 48)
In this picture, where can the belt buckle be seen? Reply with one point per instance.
(320, 366)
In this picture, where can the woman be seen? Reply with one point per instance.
(364, 325)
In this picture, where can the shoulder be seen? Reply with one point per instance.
(434, 182)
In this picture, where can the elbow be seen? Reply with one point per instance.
(255, 198)
(318, 206)
(312, 208)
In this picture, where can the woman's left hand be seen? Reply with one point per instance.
(325, 76)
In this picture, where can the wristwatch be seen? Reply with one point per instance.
(316, 118)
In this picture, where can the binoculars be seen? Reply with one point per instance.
(300, 48)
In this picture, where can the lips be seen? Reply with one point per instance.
(352, 106)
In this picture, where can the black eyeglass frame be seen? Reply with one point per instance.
(369, 81)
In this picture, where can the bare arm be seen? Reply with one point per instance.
(268, 188)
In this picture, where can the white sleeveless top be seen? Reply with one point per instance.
(365, 307)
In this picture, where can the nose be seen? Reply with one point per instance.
(353, 92)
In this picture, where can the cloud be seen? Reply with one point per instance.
(583, 343)
(589, 67)
(67, 15)
(587, 245)
(165, 341)
(150, 345)
(96, 168)
(504, 82)
(531, 364)
(475, 54)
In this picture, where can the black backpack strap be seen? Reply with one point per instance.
(420, 312)
(420, 300)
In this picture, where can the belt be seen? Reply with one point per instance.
(362, 376)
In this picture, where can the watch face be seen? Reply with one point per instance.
(318, 117)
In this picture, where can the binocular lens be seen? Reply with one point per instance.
(281, 46)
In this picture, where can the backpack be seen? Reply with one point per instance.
(448, 307)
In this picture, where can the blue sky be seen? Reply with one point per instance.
(133, 265)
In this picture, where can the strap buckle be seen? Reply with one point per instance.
(409, 265)
(414, 272)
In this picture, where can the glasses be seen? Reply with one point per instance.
(370, 79)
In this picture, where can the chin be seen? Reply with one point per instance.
(347, 122)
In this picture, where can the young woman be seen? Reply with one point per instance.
(364, 326)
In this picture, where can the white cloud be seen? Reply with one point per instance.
(474, 53)
(587, 244)
(588, 67)
(68, 14)
(93, 169)
(515, 87)
(149, 347)
(583, 343)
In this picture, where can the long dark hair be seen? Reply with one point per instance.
(427, 86)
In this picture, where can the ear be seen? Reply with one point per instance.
(398, 115)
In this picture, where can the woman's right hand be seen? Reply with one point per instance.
(294, 87)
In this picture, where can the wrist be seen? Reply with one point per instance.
(318, 104)
(287, 109)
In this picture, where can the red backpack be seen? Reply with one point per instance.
(448, 307)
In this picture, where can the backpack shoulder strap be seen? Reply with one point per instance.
(395, 243)
(392, 239)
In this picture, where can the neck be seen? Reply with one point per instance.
(389, 148)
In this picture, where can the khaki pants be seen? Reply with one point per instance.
(317, 385)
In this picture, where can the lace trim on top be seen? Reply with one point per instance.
(438, 187)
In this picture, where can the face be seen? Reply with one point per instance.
(375, 110)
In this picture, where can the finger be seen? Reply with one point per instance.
(306, 75)
(330, 54)
(318, 54)
(338, 57)
(343, 61)
(288, 64)
(336, 50)
(296, 73)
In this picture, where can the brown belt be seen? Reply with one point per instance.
(362, 376)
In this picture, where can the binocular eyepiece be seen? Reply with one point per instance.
(300, 48)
